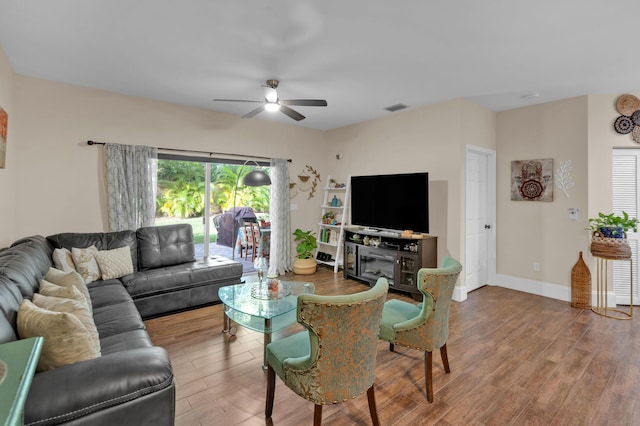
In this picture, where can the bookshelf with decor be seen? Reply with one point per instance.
(333, 219)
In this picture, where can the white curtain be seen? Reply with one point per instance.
(280, 253)
(130, 175)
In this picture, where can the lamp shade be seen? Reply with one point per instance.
(256, 178)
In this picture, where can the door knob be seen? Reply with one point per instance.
(487, 227)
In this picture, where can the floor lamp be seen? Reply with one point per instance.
(253, 178)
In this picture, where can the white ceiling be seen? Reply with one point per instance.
(359, 55)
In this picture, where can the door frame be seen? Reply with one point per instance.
(491, 185)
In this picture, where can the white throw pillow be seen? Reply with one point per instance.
(86, 264)
(114, 263)
(63, 260)
(66, 339)
(67, 279)
(59, 304)
(49, 289)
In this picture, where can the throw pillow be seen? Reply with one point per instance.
(63, 260)
(58, 304)
(114, 263)
(86, 264)
(66, 340)
(67, 279)
(48, 289)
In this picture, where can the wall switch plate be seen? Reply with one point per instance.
(536, 266)
(573, 213)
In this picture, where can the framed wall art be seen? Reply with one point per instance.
(4, 121)
(531, 180)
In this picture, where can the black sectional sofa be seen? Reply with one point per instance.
(131, 383)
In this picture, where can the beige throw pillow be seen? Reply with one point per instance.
(66, 340)
(48, 289)
(68, 279)
(86, 264)
(114, 263)
(58, 304)
(63, 260)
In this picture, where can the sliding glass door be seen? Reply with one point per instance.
(182, 188)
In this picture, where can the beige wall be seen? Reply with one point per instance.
(430, 139)
(529, 232)
(7, 175)
(60, 176)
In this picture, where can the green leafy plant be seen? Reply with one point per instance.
(306, 243)
(329, 215)
(611, 225)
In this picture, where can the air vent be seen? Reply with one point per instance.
(396, 107)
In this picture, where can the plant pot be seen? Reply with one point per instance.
(304, 266)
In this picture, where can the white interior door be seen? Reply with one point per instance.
(625, 189)
(479, 217)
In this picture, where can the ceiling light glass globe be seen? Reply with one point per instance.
(271, 106)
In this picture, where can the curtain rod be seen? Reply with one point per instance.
(200, 152)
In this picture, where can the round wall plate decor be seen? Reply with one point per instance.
(623, 125)
(627, 104)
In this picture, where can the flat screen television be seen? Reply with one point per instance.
(393, 202)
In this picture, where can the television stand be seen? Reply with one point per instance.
(388, 255)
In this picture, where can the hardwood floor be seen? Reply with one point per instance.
(515, 358)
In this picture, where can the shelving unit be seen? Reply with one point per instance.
(331, 236)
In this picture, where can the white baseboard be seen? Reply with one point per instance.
(459, 293)
(553, 291)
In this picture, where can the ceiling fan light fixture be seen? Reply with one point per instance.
(272, 106)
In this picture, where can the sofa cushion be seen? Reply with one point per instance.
(63, 260)
(106, 293)
(66, 339)
(177, 277)
(114, 263)
(102, 241)
(160, 246)
(68, 279)
(117, 319)
(80, 310)
(86, 264)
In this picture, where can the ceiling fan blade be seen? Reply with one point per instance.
(291, 113)
(253, 112)
(305, 102)
(236, 100)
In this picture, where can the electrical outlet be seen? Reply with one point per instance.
(536, 266)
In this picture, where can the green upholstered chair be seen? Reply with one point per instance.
(424, 326)
(334, 359)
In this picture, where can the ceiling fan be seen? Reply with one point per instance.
(271, 102)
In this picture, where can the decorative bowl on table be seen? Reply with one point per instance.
(270, 289)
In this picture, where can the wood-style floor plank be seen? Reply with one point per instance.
(515, 358)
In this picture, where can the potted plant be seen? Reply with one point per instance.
(613, 226)
(609, 238)
(304, 263)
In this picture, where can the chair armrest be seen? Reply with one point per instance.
(425, 312)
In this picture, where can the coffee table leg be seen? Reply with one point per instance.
(267, 340)
(227, 328)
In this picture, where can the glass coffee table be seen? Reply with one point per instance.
(256, 311)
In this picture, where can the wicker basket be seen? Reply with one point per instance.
(580, 285)
(610, 248)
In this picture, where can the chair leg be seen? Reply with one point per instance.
(371, 397)
(428, 374)
(445, 358)
(317, 415)
(271, 390)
